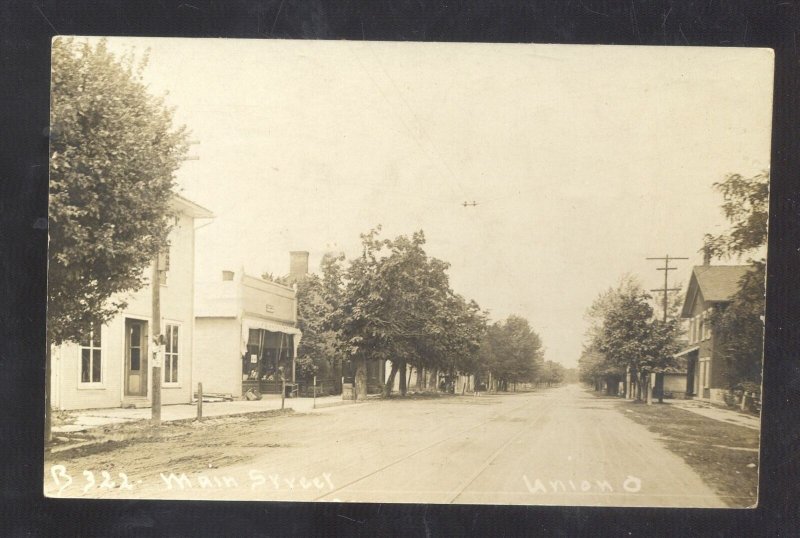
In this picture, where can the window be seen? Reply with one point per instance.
(171, 353)
(91, 359)
(705, 374)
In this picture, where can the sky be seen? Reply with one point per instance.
(583, 160)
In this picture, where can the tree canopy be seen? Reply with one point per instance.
(396, 304)
(625, 334)
(113, 153)
(746, 206)
(553, 373)
(512, 352)
(738, 326)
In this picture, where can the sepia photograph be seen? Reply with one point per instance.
(406, 272)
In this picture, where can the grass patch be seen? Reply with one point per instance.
(724, 455)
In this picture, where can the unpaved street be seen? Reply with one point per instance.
(560, 446)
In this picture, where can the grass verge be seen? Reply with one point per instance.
(724, 455)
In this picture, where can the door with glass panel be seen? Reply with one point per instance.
(135, 357)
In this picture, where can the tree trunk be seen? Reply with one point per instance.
(48, 411)
(389, 385)
(337, 377)
(435, 379)
(361, 379)
(420, 379)
(403, 371)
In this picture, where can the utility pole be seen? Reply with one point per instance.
(666, 289)
(158, 354)
(159, 266)
(659, 378)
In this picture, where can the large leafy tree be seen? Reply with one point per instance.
(629, 337)
(512, 352)
(396, 304)
(114, 151)
(739, 326)
(740, 331)
(317, 300)
(745, 203)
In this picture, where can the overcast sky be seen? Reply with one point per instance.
(583, 160)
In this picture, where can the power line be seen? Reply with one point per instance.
(666, 289)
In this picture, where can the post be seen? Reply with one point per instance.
(283, 388)
(295, 340)
(155, 284)
(314, 406)
(199, 401)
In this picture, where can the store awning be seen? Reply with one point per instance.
(249, 323)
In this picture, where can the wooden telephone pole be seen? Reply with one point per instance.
(659, 380)
(159, 265)
(666, 289)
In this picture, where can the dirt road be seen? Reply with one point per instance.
(561, 446)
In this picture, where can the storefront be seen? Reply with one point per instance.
(269, 359)
(246, 335)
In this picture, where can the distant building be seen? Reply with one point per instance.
(710, 286)
(246, 334)
(111, 366)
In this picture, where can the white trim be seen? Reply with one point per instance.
(174, 384)
(124, 368)
(92, 385)
(705, 372)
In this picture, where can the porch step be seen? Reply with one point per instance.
(135, 403)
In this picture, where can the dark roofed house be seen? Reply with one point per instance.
(711, 286)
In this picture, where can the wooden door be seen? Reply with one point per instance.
(135, 357)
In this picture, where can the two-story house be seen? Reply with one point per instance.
(111, 366)
(710, 286)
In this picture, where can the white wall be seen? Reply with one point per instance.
(675, 383)
(218, 363)
(177, 307)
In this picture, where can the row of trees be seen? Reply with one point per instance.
(394, 302)
(114, 153)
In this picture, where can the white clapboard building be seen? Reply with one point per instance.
(112, 366)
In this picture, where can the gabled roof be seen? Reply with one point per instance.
(192, 209)
(716, 283)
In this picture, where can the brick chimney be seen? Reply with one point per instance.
(706, 255)
(298, 265)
